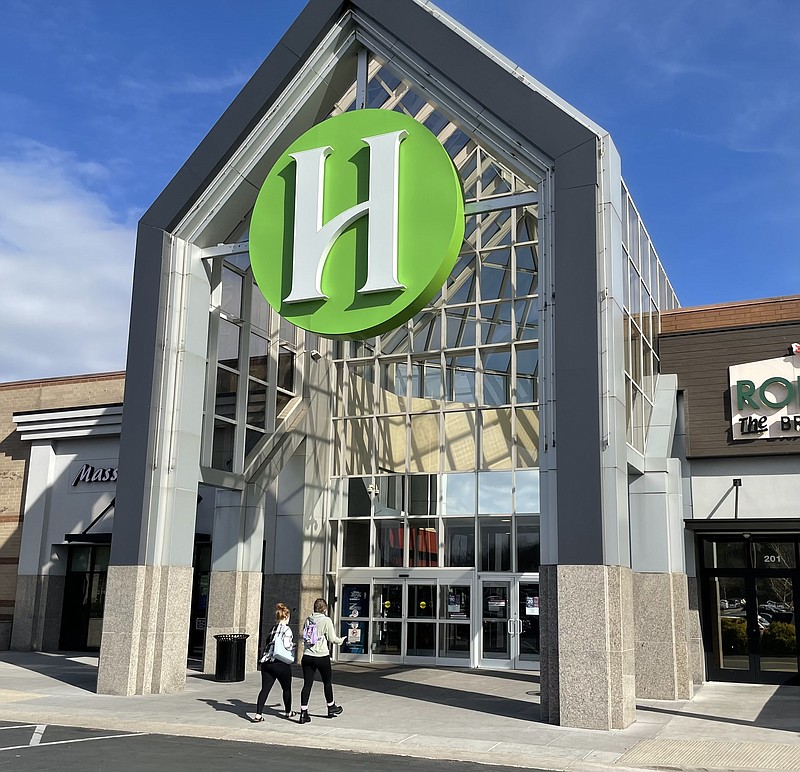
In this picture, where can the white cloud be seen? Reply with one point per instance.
(65, 266)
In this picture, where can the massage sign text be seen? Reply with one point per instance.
(765, 399)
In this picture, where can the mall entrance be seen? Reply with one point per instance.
(457, 619)
(750, 584)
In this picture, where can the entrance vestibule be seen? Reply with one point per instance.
(458, 619)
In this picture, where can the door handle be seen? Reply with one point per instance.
(511, 627)
(519, 626)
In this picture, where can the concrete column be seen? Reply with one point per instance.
(145, 630)
(40, 581)
(149, 590)
(234, 600)
(697, 654)
(662, 651)
(588, 671)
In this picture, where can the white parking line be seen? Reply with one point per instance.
(37, 734)
(17, 726)
(78, 740)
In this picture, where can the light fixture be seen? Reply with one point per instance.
(737, 483)
(315, 355)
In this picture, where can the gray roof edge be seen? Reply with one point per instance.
(511, 67)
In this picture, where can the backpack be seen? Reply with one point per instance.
(310, 633)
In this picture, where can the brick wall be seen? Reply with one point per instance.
(746, 313)
(77, 391)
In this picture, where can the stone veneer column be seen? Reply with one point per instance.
(588, 670)
(234, 604)
(37, 612)
(145, 629)
(661, 614)
(694, 634)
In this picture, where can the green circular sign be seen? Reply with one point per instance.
(357, 225)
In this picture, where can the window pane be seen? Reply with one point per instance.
(389, 541)
(423, 494)
(527, 544)
(258, 357)
(494, 493)
(526, 482)
(460, 444)
(356, 543)
(387, 601)
(773, 554)
(459, 543)
(225, 401)
(386, 638)
(228, 344)
(496, 440)
(256, 404)
(231, 293)
(259, 310)
(286, 369)
(455, 601)
(423, 542)
(359, 500)
(458, 494)
(723, 554)
(454, 641)
(495, 540)
(222, 449)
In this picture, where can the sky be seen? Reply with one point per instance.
(101, 102)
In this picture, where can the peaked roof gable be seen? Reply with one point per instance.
(503, 92)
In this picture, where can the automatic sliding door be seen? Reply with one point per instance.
(421, 620)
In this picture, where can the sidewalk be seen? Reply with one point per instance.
(473, 715)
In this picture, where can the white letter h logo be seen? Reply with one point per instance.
(313, 240)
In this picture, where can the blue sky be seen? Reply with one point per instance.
(102, 101)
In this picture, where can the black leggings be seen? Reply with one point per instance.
(270, 672)
(312, 665)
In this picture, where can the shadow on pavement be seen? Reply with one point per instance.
(63, 667)
(235, 707)
(781, 708)
(382, 681)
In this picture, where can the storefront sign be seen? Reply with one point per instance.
(765, 399)
(357, 225)
(95, 474)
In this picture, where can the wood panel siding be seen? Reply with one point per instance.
(701, 359)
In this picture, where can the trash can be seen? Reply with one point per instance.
(230, 657)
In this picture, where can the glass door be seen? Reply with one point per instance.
(509, 635)
(527, 626)
(407, 620)
(749, 624)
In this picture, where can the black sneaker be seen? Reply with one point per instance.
(334, 710)
(304, 717)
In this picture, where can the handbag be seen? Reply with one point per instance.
(277, 649)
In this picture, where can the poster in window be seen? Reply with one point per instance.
(354, 634)
(355, 600)
(531, 605)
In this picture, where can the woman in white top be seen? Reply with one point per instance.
(273, 669)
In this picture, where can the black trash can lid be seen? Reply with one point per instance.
(232, 636)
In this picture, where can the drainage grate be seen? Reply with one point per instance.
(697, 753)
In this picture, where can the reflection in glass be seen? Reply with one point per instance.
(526, 482)
(459, 543)
(256, 404)
(222, 448)
(386, 638)
(225, 401)
(459, 442)
(359, 500)
(527, 544)
(455, 601)
(495, 614)
(718, 553)
(355, 551)
(729, 641)
(495, 541)
(387, 601)
(421, 601)
(527, 437)
(777, 622)
(421, 639)
(778, 555)
(424, 450)
(258, 357)
(494, 493)
(231, 293)
(423, 542)
(389, 540)
(529, 618)
(458, 494)
(496, 437)
(423, 494)
(454, 641)
(228, 344)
